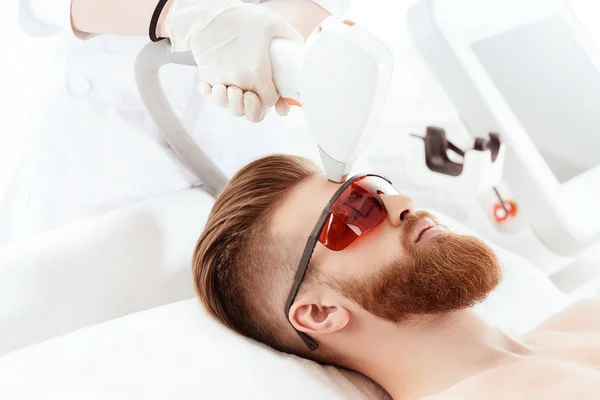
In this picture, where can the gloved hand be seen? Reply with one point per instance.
(230, 42)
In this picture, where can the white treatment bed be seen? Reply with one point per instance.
(105, 309)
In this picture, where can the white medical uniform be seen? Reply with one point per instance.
(92, 146)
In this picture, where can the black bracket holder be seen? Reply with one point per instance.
(437, 147)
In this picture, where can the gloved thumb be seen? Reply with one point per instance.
(284, 30)
(282, 107)
(268, 93)
(280, 29)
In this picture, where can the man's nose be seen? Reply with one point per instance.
(398, 207)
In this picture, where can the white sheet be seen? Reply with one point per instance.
(177, 351)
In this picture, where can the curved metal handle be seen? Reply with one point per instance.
(147, 65)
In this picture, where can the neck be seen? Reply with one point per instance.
(434, 354)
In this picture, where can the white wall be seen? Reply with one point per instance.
(21, 58)
(415, 92)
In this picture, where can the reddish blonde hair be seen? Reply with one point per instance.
(239, 269)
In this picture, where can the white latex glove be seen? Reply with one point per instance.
(230, 42)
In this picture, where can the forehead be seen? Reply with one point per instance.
(301, 208)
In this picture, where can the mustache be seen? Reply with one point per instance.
(412, 219)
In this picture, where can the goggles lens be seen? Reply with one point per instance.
(355, 212)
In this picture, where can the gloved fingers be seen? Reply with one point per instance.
(220, 95)
(267, 94)
(282, 107)
(237, 101)
(253, 108)
(205, 88)
(235, 96)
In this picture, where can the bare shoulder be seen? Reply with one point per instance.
(489, 384)
(582, 316)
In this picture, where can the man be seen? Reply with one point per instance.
(387, 291)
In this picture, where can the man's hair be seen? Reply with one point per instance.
(239, 265)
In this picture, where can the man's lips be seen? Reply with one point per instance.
(426, 229)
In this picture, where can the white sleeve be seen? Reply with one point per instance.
(45, 17)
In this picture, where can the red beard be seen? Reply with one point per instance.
(451, 272)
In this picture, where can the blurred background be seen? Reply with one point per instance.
(415, 94)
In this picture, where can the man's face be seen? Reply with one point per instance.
(397, 269)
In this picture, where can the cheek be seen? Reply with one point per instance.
(369, 252)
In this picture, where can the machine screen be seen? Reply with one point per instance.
(553, 88)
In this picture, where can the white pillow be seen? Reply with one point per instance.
(172, 352)
(178, 352)
(128, 260)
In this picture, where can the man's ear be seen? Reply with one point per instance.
(314, 316)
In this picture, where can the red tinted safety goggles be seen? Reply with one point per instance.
(355, 208)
